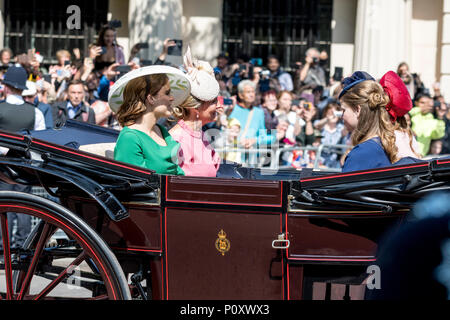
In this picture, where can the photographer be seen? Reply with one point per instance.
(411, 80)
(312, 74)
(283, 78)
(111, 52)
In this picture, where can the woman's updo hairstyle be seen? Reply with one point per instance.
(135, 95)
(373, 119)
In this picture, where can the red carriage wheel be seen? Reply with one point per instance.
(80, 266)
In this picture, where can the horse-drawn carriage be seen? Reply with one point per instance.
(246, 234)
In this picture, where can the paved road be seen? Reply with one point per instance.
(61, 290)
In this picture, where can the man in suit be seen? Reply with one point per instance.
(74, 107)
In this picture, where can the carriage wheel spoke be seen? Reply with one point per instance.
(61, 276)
(46, 232)
(7, 256)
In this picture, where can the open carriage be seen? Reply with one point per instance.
(246, 234)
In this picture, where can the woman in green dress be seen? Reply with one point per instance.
(140, 100)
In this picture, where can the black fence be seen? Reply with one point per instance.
(285, 28)
(43, 25)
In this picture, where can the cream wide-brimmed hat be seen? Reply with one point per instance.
(180, 86)
(204, 85)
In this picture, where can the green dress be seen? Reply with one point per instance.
(137, 148)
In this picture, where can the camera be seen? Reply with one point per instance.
(115, 24)
(264, 73)
(316, 60)
(176, 49)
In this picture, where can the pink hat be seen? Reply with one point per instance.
(400, 100)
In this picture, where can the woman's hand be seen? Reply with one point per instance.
(95, 51)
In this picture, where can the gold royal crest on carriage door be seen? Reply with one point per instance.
(222, 243)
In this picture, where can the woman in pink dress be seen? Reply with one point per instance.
(197, 156)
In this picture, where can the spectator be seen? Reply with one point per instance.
(30, 96)
(424, 125)
(229, 140)
(225, 70)
(6, 56)
(312, 74)
(18, 115)
(411, 80)
(285, 107)
(307, 112)
(165, 51)
(435, 147)
(251, 118)
(269, 105)
(61, 72)
(283, 79)
(331, 131)
(73, 107)
(111, 52)
(442, 112)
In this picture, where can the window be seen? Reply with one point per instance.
(42, 25)
(285, 28)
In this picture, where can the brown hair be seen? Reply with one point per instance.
(329, 107)
(101, 35)
(280, 94)
(75, 82)
(373, 118)
(135, 94)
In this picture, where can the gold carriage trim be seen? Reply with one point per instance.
(222, 243)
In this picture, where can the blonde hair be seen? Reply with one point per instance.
(373, 118)
(182, 111)
(134, 96)
(63, 53)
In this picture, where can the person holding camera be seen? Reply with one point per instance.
(312, 74)
(283, 79)
(411, 80)
(425, 125)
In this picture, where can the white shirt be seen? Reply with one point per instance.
(39, 120)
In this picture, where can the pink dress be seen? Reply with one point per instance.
(197, 157)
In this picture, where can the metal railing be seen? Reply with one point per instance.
(267, 157)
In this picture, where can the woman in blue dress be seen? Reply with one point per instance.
(370, 112)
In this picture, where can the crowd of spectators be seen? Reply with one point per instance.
(263, 105)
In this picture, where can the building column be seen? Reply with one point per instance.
(152, 21)
(2, 23)
(445, 52)
(118, 10)
(383, 35)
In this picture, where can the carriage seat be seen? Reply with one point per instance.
(100, 149)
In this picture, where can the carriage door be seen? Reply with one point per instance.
(218, 239)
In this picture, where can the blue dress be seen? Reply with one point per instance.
(367, 155)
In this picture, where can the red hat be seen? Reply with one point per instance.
(400, 100)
